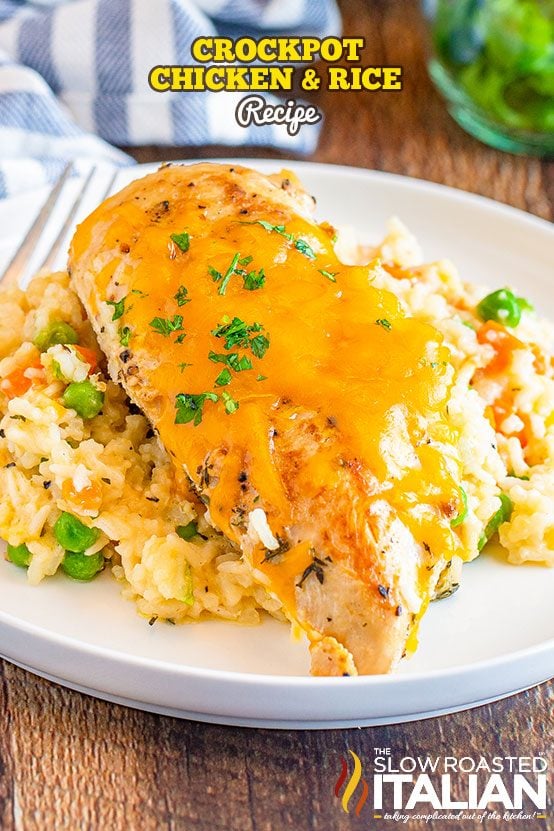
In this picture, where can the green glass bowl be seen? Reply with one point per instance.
(493, 61)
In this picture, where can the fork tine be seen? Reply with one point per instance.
(50, 258)
(110, 186)
(52, 254)
(23, 253)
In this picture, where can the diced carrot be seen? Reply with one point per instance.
(397, 271)
(17, 383)
(502, 341)
(504, 407)
(89, 356)
(526, 434)
(504, 345)
(89, 499)
(394, 271)
(540, 359)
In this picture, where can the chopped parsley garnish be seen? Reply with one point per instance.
(224, 279)
(278, 229)
(302, 246)
(261, 378)
(331, 275)
(190, 407)
(234, 361)
(218, 358)
(125, 335)
(254, 280)
(166, 326)
(236, 332)
(182, 241)
(118, 307)
(259, 345)
(181, 296)
(463, 513)
(223, 378)
(386, 324)
(231, 406)
(239, 364)
(182, 366)
(139, 292)
(180, 338)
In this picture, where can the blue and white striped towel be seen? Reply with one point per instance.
(74, 76)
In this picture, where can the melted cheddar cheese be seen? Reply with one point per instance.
(338, 347)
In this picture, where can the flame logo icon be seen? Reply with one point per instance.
(352, 784)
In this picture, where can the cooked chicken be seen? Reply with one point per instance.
(308, 412)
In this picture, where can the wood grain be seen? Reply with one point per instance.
(70, 762)
(80, 763)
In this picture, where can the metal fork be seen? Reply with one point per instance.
(22, 256)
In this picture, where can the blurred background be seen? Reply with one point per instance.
(73, 70)
(409, 132)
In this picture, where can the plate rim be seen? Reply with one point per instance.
(207, 673)
(275, 723)
(416, 182)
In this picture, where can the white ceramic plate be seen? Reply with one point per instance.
(493, 638)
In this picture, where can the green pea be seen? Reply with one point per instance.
(187, 532)
(74, 535)
(55, 332)
(19, 555)
(82, 566)
(84, 398)
(502, 515)
(525, 305)
(501, 306)
(463, 514)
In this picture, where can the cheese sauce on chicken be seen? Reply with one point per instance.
(308, 411)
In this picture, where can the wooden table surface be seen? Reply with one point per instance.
(70, 762)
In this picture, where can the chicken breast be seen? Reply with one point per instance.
(307, 411)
